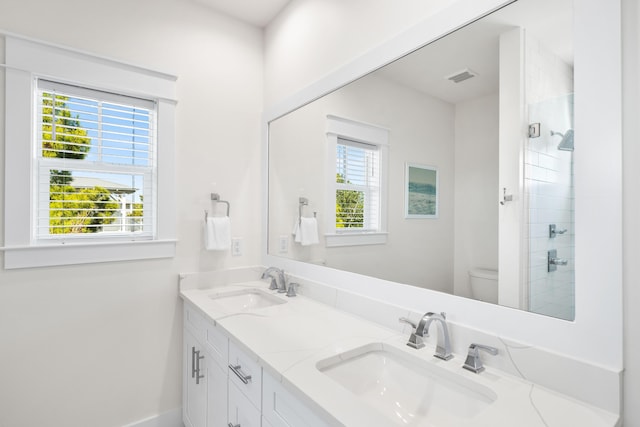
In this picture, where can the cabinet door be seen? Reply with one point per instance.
(281, 408)
(242, 413)
(194, 389)
(216, 393)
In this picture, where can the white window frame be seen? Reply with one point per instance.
(342, 128)
(27, 60)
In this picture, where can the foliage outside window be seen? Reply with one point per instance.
(95, 162)
(357, 186)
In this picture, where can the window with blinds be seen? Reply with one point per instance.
(96, 167)
(357, 186)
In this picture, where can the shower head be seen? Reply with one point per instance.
(567, 140)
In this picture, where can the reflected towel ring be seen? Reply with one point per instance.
(302, 201)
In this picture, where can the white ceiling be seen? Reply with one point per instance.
(255, 12)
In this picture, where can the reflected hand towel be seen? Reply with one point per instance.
(308, 231)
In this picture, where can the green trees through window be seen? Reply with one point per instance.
(349, 206)
(71, 209)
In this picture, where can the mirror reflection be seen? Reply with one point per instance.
(449, 169)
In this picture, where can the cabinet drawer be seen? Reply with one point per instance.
(241, 411)
(241, 367)
(282, 409)
(216, 343)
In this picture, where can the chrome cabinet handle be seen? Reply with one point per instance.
(198, 358)
(193, 362)
(237, 369)
(233, 425)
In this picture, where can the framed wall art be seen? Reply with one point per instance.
(421, 191)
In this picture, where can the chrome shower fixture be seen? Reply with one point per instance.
(566, 144)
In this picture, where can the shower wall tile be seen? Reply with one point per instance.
(548, 179)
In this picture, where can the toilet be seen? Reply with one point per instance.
(484, 284)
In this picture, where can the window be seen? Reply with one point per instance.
(357, 186)
(357, 158)
(89, 155)
(96, 164)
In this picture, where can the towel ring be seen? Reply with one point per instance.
(302, 201)
(216, 198)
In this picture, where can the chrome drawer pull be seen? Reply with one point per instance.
(233, 425)
(193, 362)
(198, 358)
(237, 370)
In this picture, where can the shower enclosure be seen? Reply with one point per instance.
(549, 205)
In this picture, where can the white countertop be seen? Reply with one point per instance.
(289, 339)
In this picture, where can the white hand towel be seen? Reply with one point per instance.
(217, 233)
(308, 231)
(296, 231)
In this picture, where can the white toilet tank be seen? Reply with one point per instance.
(484, 284)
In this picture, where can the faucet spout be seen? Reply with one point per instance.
(443, 347)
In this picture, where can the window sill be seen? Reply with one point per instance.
(355, 239)
(85, 253)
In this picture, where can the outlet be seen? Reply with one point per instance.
(236, 246)
(283, 244)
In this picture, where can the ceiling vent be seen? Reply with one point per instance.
(461, 76)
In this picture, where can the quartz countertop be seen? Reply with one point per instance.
(289, 340)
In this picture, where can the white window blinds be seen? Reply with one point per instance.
(96, 166)
(357, 186)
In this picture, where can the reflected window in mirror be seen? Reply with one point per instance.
(357, 180)
(356, 164)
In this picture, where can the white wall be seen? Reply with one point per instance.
(476, 180)
(329, 34)
(631, 71)
(421, 131)
(100, 345)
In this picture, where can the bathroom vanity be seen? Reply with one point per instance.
(253, 357)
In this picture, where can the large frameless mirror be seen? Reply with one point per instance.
(449, 169)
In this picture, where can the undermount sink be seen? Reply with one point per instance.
(407, 390)
(246, 299)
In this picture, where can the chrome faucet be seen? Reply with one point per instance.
(421, 330)
(278, 282)
(443, 348)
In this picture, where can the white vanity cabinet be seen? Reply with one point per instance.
(224, 387)
(204, 394)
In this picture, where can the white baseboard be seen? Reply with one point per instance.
(172, 418)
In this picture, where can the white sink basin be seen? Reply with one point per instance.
(245, 299)
(407, 390)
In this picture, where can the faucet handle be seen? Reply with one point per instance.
(291, 291)
(415, 341)
(274, 284)
(408, 322)
(473, 362)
